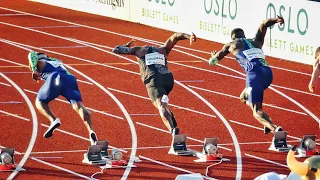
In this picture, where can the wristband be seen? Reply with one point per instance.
(213, 61)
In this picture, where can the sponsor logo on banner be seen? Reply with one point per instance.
(158, 11)
(219, 10)
(113, 3)
(296, 24)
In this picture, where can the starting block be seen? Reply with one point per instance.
(179, 146)
(279, 142)
(307, 146)
(98, 155)
(93, 156)
(7, 162)
(209, 152)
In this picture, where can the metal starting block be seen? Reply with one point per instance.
(209, 152)
(179, 146)
(307, 146)
(279, 142)
(93, 156)
(104, 150)
(98, 155)
(7, 160)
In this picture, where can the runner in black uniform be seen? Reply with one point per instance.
(155, 74)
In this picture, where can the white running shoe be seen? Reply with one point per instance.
(55, 124)
(279, 128)
(93, 138)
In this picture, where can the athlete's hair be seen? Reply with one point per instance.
(317, 53)
(237, 33)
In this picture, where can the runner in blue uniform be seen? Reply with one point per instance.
(155, 74)
(58, 81)
(249, 54)
(314, 81)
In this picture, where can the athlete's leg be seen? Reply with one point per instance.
(244, 96)
(257, 82)
(262, 117)
(49, 91)
(73, 95)
(158, 89)
(45, 110)
(84, 114)
(166, 115)
(86, 117)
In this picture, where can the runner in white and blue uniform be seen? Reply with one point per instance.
(58, 81)
(249, 54)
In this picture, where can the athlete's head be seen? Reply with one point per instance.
(317, 53)
(308, 170)
(237, 33)
(34, 57)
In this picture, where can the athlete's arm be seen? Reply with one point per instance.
(261, 33)
(217, 56)
(126, 49)
(315, 76)
(172, 40)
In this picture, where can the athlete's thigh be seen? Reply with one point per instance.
(71, 91)
(155, 88)
(254, 88)
(51, 89)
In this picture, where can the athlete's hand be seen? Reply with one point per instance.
(36, 76)
(280, 20)
(130, 43)
(312, 86)
(213, 53)
(193, 38)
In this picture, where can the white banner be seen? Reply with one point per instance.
(213, 20)
(118, 9)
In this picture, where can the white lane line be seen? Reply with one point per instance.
(46, 157)
(59, 152)
(176, 106)
(166, 131)
(13, 14)
(60, 168)
(295, 90)
(11, 102)
(235, 97)
(144, 114)
(12, 62)
(84, 82)
(34, 127)
(49, 27)
(14, 115)
(78, 136)
(170, 166)
(191, 81)
(266, 160)
(62, 47)
(5, 84)
(91, 109)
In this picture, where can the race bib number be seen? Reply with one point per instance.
(155, 58)
(254, 53)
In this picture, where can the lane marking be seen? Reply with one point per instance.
(34, 127)
(14, 115)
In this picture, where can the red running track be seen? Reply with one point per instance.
(60, 156)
